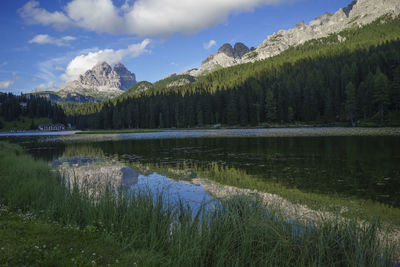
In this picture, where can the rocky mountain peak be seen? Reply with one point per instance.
(101, 67)
(127, 78)
(240, 50)
(101, 78)
(235, 52)
(356, 14)
(226, 49)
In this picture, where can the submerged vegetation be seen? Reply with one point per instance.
(241, 231)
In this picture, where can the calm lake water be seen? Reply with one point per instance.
(364, 163)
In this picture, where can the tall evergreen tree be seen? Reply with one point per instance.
(381, 92)
(350, 104)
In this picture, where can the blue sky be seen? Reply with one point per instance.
(46, 43)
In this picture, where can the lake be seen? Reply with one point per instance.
(344, 162)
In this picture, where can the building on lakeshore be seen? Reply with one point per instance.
(52, 127)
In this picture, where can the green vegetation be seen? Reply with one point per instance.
(137, 88)
(26, 240)
(24, 113)
(22, 123)
(166, 82)
(239, 232)
(364, 209)
(120, 131)
(275, 37)
(252, 55)
(349, 207)
(303, 84)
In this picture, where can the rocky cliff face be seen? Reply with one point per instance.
(227, 56)
(101, 80)
(357, 13)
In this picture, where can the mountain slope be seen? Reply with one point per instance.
(356, 14)
(307, 83)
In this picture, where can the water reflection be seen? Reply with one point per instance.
(365, 167)
(97, 173)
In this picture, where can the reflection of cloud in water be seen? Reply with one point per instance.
(96, 173)
(174, 191)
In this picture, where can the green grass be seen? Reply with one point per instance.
(238, 232)
(120, 131)
(22, 123)
(355, 207)
(363, 209)
(25, 240)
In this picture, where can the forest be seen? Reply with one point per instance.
(13, 107)
(323, 81)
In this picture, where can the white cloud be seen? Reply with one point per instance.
(82, 63)
(50, 86)
(142, 17)
(95, 15)
(4, 63)
(46, 39)
(210, 44)
(6, 84)
(35, 15)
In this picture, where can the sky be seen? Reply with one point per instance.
(46, 43)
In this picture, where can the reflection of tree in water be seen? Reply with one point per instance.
(96, 174)
(83, 151)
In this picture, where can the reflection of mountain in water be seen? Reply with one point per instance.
(97, 173)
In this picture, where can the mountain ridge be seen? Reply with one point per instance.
(356, 14)
(103, 79)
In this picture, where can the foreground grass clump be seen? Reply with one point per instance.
(26, 240)
(239, 231)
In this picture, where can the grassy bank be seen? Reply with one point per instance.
(22, 123)
(239, 232)
(363, 209)
(350, 207)
(26, 240)
(120, 131)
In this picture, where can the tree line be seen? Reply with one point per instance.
(323, 81)
(13, 106)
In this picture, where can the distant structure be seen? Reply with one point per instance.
(52, 127)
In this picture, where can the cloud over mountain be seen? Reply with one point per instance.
(84, 62)
(142, 17)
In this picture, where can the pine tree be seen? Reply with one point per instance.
(270, 106)
(396, 88)
(381, 92)
(350, 104)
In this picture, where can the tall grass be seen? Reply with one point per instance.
(239, 232)
(350, 207)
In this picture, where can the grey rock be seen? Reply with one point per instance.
(170, 75)
(357, 13)
(227, 49)
(180, 82)
(240, 50)
(101, 81)
(128, 79)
